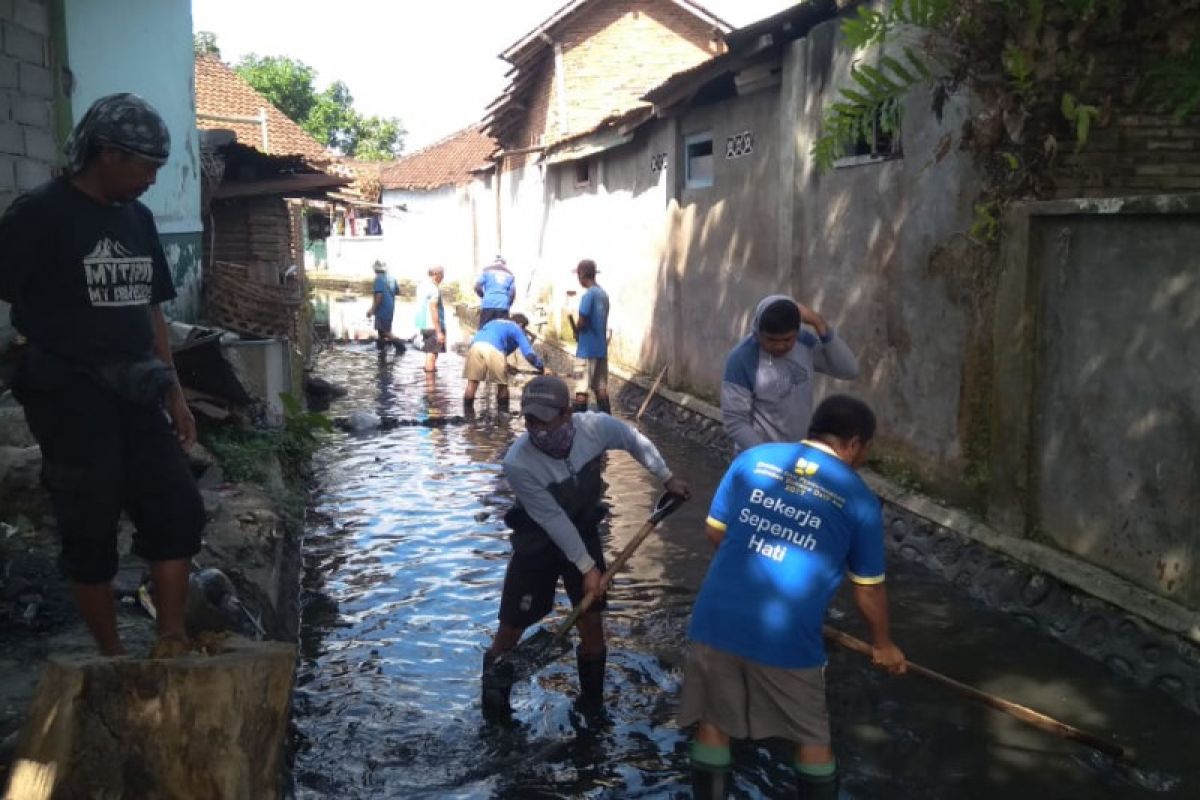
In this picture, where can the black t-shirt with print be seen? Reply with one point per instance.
(82, 276)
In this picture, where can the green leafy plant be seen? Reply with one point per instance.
(873, 103)
(986, 225)
(246, 454)
(1081, 116)
(1173, 83)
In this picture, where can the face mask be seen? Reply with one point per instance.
(555, 443)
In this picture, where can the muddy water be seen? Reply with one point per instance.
(404, 559)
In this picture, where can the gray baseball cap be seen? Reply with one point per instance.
(545, 397)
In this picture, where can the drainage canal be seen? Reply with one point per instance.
(404, 557)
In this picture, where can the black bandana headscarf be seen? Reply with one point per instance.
(124, 121)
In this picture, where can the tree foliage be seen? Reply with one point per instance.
(329, 114)
(205, 44)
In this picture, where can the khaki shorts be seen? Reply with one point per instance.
(747, 700)
(590, 373)
(485, 363)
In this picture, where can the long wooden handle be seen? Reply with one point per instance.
(650, 394)
(606, 578)
(1023, 713)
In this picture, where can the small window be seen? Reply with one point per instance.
(698, 156)
(879, 145)
(583, 172)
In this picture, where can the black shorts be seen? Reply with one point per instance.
(102, 455)
(486, 315)
(383, 324)
(531, 579)
(430, 343)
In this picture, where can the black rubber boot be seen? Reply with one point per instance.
(809, 787)
(711, 783)
(399, 347)
(578, 408)
(497, 686)
(604, 407)
(591, 679)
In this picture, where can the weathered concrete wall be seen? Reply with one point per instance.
(617, 220)
(722, 254)
(144, 46)
(864, 234)
(1096, 431)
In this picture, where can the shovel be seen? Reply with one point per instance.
(545, 646)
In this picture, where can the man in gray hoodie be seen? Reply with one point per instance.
(767, 390)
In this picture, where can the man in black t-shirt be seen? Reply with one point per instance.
(82, 265)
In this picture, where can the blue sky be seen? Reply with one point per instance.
(433, 64)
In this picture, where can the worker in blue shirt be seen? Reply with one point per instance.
(591, 336)
(790, 520)
(383, 308)
(486, 358)
(498, 288)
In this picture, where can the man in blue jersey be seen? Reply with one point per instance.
(591, 336)
(486, 358)
(383, 308)
(788, 521)
(767, 390)
(498, 288)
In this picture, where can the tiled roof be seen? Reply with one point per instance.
(449, 162)
(222, 92)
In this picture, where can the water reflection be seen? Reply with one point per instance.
(404, 561)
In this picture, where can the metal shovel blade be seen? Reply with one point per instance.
(540, 649)
(545, 646)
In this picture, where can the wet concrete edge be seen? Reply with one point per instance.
(1140, 637)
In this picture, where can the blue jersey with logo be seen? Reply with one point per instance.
(497, 287)
(507, 337)
(796, 519)
(593, 337)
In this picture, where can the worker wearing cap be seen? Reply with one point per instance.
(554, 470)
(383, 308)
(82, 264)
(497, 288)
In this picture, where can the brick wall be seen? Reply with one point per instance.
(1136, 153)
(613, 53)
(28, 148)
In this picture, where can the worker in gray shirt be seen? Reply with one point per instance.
(554, 470)
(767, 389)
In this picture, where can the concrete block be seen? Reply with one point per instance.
(24, 44)
(32, 15)
(40, 144)
(12, 139)
(194, 726)
(6, 9)
(8, 173)
(33, 111)
(31, 174)
(34, 80)
(8, 72)
(6, 105)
